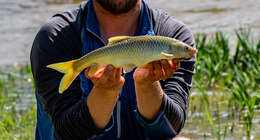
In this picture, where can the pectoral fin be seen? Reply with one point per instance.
(117, 39)
(167, 54)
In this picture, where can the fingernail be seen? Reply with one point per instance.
(109, 68)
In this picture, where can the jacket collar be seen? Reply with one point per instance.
(144, 23)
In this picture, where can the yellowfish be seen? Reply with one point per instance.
(126, 52)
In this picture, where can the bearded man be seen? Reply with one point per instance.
(148, 103)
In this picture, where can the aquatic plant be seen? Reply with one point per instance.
(238, 74)
(212, 59)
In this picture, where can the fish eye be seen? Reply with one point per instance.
(187, 48)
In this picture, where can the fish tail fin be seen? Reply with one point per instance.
(69, 73)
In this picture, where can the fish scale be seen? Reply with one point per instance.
(124, 51)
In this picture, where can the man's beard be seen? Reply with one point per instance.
(115, 7)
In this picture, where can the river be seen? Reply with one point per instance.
(21, 19)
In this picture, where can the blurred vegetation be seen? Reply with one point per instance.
(232, 78)
(17, 106)
(224, 101)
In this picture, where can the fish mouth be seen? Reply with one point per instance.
(193, 53)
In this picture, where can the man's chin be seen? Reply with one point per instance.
(117, 6)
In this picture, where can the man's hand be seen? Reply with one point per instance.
(155, 71)
(149, 93)
(109, 79)
(103, 96)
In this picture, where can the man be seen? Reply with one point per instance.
(146, 103)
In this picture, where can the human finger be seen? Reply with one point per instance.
(93, 78)
(158, 70)
(168, 71)
(146, 70)
(113, 74)
(108, 73)
(176, 63)
(94, 70)
(118, 74)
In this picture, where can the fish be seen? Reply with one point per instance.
(125, 52)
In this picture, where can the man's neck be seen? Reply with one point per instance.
(115, 25)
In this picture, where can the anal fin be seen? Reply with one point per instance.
(129, 67)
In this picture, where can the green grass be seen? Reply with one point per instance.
(17, 109)
(224, 102)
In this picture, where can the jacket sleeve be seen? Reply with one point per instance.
(171, 117)
(177, 87)
(57, 42)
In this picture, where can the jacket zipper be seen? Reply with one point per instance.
(118, 117)
(118, 111)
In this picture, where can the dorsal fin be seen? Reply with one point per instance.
(117, 39)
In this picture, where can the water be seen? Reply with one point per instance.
(209, 16)
(21, 19)
(198, 126)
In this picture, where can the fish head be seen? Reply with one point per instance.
(182, 50)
